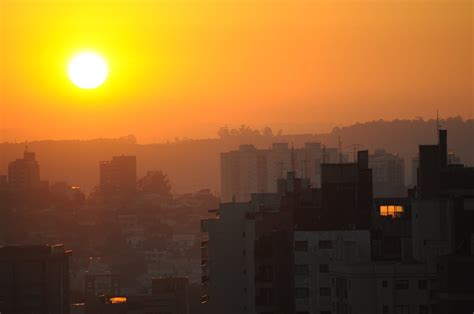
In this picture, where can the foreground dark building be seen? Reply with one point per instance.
(34, 279)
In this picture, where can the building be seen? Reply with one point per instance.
(34, 279)
(442, 224)
(169, 295)
(381, 288)
(388, 174)
(251, 170)
(455, 292)
(175, 290)
(391, 229)
(253, 244)
(24, 174)
(99, 280)
(227, 260)
(315, 252)
(118, 177)
(346, 195)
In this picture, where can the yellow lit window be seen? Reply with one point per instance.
(116, 300)
(391, 210)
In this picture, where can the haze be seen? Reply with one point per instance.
(185, 68)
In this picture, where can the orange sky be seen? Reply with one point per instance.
(186, 67)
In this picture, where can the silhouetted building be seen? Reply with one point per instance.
(173, 289)
(443, 225)
(227, 260)
(99, 280)
(391, 229)
(455, 292)
(453, 159)
(315, 253)
(170, 296)
(34, 279)
(388, 174)
(24, 174)
(346, 193)
(118, 177)
(251, 170)
(381, 288)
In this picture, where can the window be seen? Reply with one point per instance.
(422, 284)
(402, 309)
(325, 244)
(384, 283)
(423, 309)
(401, 285)
(324, 291)
(301, 270)
(323, 268)
(391, 210)
(302, 293)
(301, 246)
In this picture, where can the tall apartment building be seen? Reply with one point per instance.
(34, 279)
(251, 170)
(227, 260)
(24, 174)
(315, 252)
(388, 174)
(346, 195)
(118, 177)
(173, 291)
(381, 288)
(249, 253)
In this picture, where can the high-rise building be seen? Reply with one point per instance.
(175, 290)
(315, 252)
(118, 177)
(388, 174)
(251, 170)
(34, 279)
(346, 194)
(24, 174)
(249, 250)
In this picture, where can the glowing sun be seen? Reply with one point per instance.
(87, 70)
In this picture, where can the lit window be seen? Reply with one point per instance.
(116, 300)
(391, 210)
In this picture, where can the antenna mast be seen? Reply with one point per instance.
(355, 147)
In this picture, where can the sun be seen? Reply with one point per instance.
(88, 70)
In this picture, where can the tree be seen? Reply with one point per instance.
(155, 182)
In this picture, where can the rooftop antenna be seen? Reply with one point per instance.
(355, 147)
(438, 125)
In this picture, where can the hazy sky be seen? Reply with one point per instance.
(186, 67)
